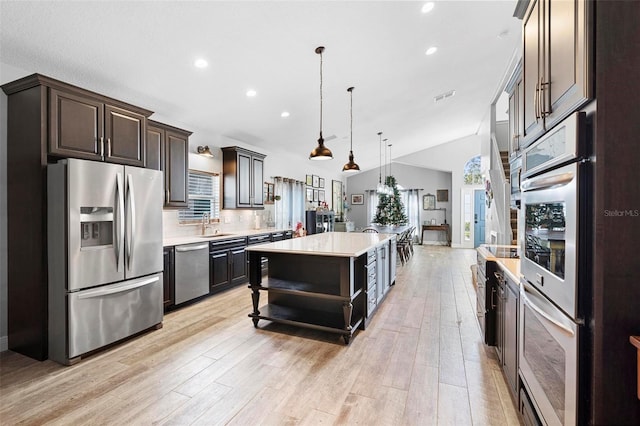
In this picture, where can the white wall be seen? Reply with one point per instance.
(410, 177)
(449, 157)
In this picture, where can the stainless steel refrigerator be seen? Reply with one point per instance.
(104, 254)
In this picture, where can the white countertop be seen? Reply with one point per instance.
(340, 244)
(511, 267)
(190, 239)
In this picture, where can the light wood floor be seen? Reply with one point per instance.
(421, 362)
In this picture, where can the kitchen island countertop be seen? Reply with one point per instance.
(339, 244)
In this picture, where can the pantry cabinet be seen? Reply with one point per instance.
(243, 173)
(168, 148)
(557, 63)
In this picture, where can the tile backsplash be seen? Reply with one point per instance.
(230, 221)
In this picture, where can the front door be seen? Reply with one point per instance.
(478, 217)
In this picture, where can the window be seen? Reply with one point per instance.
(204, 197)
(472, 174)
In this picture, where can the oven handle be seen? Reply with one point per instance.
(544, 182)
(527, 289)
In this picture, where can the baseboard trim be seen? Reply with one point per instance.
(4, 343)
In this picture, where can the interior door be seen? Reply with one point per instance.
(478, 217)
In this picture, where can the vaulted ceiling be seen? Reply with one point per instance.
(144, 53)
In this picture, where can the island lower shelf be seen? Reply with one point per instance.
(307, 318)
(316, 290)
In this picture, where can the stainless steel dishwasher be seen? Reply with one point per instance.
(191, 271)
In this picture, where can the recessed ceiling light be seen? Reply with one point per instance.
(428, 7)
(251, 93)
(285, 114)
(200, 63)
(431, 50)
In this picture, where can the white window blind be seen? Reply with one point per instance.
(204, 197)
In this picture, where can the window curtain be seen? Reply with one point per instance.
(289, 209)
(411, 201)
(372, 205)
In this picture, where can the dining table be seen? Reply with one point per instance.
(389, 229)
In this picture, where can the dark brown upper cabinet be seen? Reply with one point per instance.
(93, 127)
(557, 58)
(167, 150)
(243, 173)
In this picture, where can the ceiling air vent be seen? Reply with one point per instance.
(443, 96)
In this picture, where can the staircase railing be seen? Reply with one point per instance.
(501, 194)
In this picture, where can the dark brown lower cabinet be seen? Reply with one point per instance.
(227, 263)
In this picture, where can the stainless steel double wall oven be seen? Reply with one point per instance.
(555, 291)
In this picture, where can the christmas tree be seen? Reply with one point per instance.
(390, 210)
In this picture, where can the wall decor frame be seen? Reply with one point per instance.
(321, 183)
(357, 199)
(321, 195)
(316, 181)
(428, 202)
(442, 195)
(309, 194)
(315, 195)
(309, 180)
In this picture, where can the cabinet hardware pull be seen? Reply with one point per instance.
(108, 147)
(167, 195)
(535, 103)
(101, 147)
(544, 111)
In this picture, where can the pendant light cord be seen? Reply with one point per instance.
(321, 92)
(351, 122)
(380, 174)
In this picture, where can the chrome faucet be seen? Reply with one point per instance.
(206, 219)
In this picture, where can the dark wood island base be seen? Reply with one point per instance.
(314, 289)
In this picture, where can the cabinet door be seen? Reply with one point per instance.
(238, 265)
(566, 69)
(382, 269)
(154, 148)
(511, 337)
(168, 277)
(257, 177)
(218, 268)
(124, 133)
(175, 172)
(75, 126)
(244, 180)
(532, 46)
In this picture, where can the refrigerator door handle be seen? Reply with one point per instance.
(120, 219)
(131, 206)
(117, 289)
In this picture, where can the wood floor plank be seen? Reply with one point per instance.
(421, 361)
(453, 406)
(421, 407)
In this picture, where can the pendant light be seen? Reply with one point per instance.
(381, 187)
(320, 152)
(351, 166)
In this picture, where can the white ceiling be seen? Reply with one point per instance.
(143, 53)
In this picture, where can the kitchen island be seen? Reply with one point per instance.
(325, 281)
